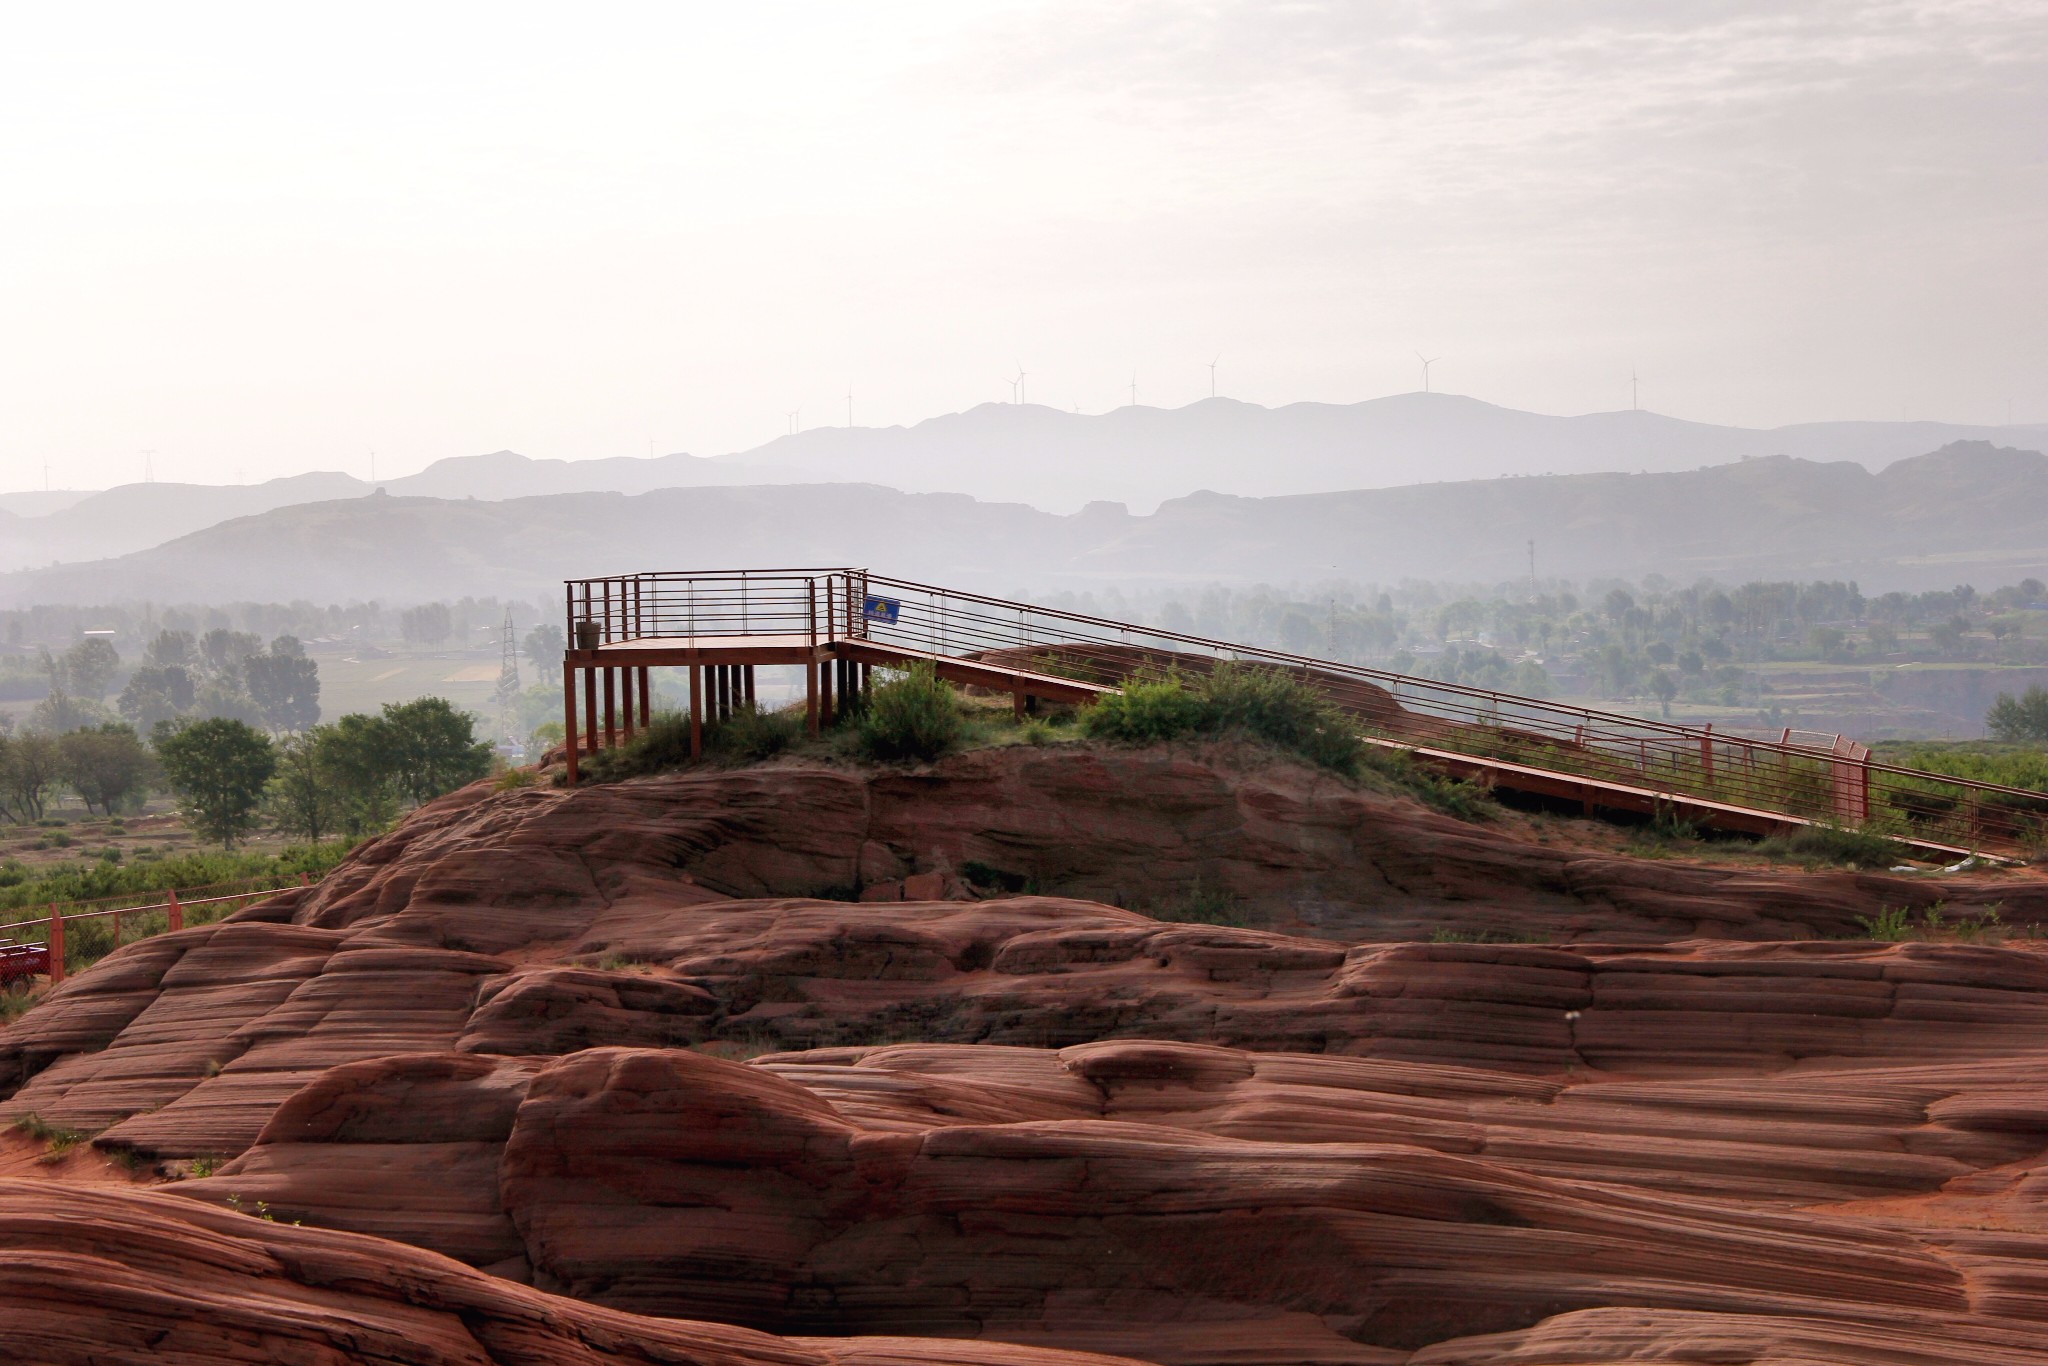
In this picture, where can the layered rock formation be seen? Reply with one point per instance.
(1699, 1126)
(106, 1279)
(1191, 1203)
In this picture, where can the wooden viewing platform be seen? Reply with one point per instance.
(837, 625)
(618, 692)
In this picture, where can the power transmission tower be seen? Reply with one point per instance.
(507, 695)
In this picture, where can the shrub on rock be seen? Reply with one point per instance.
(913, 716)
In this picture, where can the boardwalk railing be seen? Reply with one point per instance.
(41, 945)
(1805, 777)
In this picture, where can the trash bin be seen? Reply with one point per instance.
(588, 636)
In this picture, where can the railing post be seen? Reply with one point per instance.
(177, 912)
(1707, 752)
(55, 940)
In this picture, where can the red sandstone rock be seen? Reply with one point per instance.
(1291, 846)
(1023, 1194)
(247, 1013)
(101, 1278)
(1614, 1147)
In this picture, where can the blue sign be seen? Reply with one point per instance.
(883, 610)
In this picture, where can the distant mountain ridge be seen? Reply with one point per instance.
(1970, 512)
(1039, 456)
(1144, 456)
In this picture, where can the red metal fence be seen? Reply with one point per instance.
(39, 946)
(1824, 778)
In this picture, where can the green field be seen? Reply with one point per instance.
(467, 679)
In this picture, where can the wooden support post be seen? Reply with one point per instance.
(590, 710)
(177, 912)
(811, 694)
(611, 720)
(747, 682)
(696, 711)
(626, 699)
(1017, 703)
(56, 940)
(646, 694)
(825, 681)
(1707, 752)
(569, 717)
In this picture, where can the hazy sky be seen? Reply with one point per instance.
(261, 238)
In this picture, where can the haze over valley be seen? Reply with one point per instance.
(1035, 683)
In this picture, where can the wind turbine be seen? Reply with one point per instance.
(849, 405)
(1134, 388)
(796, 419)
(1020, 381)
(149, 467)
(1013, 387)
(1633, 406)
(1212, 374)
(1427, 361)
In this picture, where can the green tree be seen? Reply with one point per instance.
(172, 649)
(427, 625)
(223, 698)
(432, 748)
(105, 765)
(353, 757)
(2023, 718)
(284, 686)
(304, 797)
(61, 712)
(30, 765)
(1665, 687)
(543, 646)
(89, 667)
(219, 768)
(224, 652)
(157, 692)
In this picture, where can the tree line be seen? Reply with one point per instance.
(351, 777)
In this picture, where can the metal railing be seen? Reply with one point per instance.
(47, 932)
(1822, 778)
(817, 604)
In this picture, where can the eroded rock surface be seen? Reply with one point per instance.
(1187, 1203)
(1698, 1126)
(104, 1278)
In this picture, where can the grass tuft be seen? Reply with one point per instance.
(1821, 845)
